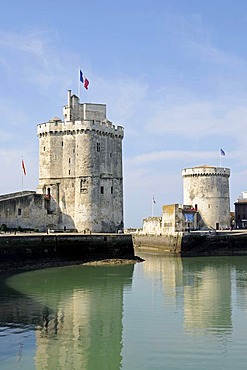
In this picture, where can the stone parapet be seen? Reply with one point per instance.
(54, 128)
(206, 171)
(16, 194)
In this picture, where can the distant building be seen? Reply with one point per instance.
(241, 211)
(80, 175)
(152, 226)
(175, 218)
(172, 218)
(26, 210)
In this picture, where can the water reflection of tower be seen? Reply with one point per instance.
(58, 343)
(241, 282)
(207, 295)
(86, 330)
(169, 270)
(202, 286)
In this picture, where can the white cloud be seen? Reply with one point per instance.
(12, 177)
(211, 54)
(195, 37)
(39, 62)
(197, 119)
(171, 155)
(123, 94)
(31, 42)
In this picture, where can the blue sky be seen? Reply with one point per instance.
(173, 73)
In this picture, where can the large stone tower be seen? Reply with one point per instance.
(207, 189)
(80, 168)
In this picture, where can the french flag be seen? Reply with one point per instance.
(84, 80)
(23, 167)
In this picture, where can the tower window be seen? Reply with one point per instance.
(69, 172)
(98, 147)
(110, 154)
(69, 160)
(44, 148)
(19, 211)
(111, 189)
(62, 143)
(84, 186)
(102, 190)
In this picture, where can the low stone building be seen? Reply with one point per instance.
(152, 226)
(190, 218)
(26, 210)
(175, 218)
(172, 218)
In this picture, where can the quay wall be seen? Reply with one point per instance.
(23, 250)
(169, 243)
(195, 244)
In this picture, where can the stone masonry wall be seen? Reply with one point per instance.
(27, 212)
(207, 188)
(81, 167)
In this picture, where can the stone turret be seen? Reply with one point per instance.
(80, 168)
(206, 188)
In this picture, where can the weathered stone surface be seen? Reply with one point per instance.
(80, 175)
(52, 249)
(81, 168)
(207, 189)
(195, 244)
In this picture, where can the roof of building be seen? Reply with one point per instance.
(55, 119)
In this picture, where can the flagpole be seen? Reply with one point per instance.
(220, 157)
(21, 176)
(79, 85)
(152, 208)
(153, 205)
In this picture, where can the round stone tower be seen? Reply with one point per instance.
(206, 188)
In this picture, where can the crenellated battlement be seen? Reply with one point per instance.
(56, 126)
(205, 171)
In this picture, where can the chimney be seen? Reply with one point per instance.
(69, 98)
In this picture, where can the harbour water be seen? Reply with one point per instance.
(165, 313)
